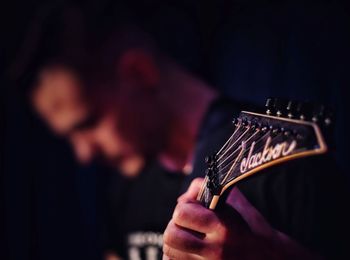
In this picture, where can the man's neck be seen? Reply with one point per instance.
(189, 99)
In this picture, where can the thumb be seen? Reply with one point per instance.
(193, 190)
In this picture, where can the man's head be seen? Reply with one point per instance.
(115, 112)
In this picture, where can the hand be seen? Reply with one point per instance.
(111, 255)
(234, 231)
(199, 233)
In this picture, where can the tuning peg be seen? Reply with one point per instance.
(292, 108)
(208, 159)
(245, 122)
(211, 160)
(276, 106)
(209, 172)
(270, 106)
(318, 113)
(322, 114)
(280, 106)
(304, 110)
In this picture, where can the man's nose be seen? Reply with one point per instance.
(84, 149)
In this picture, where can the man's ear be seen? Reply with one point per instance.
(138, 69)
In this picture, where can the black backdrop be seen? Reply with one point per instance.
(248, 49)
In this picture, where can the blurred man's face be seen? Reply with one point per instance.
(93, 133)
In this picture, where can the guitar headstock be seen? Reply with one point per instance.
(288, 130)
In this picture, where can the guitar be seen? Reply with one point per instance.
(287, 131)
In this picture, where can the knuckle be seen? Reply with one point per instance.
(210, 220)
(169, 234)
(167, 250)
(197, 181)
(221, 230)
(179, 213)
(195, 184)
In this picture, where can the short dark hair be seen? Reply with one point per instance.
(107, 53)
(55, 36)
(62, 35)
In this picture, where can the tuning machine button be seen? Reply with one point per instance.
(208, 160)
(270, 106)
(208, 172)
(245, 122)
(211, 161)
(292, 108)
(322, 114)
(235, 121)
(280, 106)
(276, 106)
(304, 110)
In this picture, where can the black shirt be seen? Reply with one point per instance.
(142, 209)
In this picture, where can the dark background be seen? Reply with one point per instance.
(249, 49)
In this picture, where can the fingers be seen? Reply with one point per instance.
(183, 239)
(174, 254)
(181, 243)
(193, 190)
(193, 216)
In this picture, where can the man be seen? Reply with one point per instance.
(130, 128)
(135, 106)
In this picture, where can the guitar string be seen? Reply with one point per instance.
(233, 165)
(230, 139)
(232, 176)
(203, 190)
(257, 131)
(225, 149)
(221, 171)
(206, 190)
(257, 141)
(233, 155)
(258, 146)
(233, 144)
